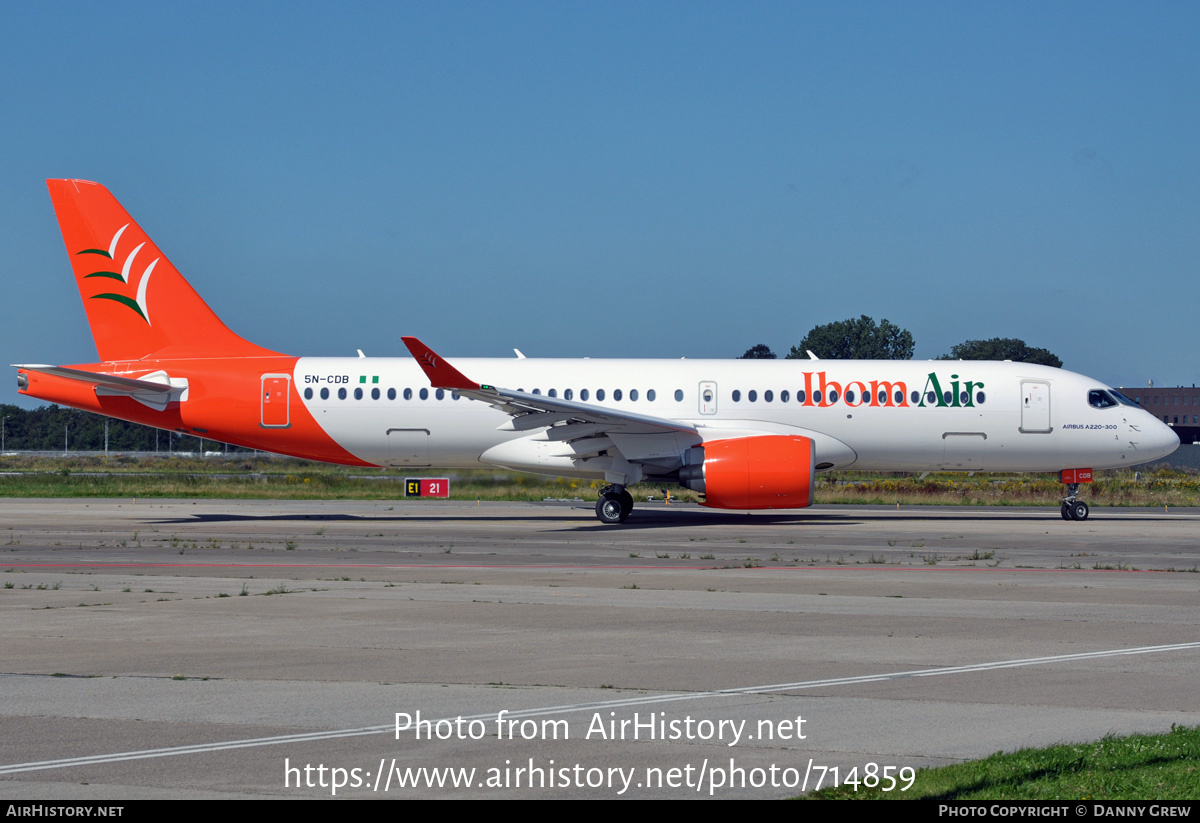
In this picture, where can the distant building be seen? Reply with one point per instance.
(1178, 407)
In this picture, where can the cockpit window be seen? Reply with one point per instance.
(1100, 399)
(1122, 399)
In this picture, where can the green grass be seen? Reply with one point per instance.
(267, 478)
(293, 479)
(1159, 487)
(1138, 767)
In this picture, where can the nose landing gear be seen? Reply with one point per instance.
(1072, 508)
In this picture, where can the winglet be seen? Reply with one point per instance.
(440, 373)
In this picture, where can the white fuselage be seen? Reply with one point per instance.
(870, 415)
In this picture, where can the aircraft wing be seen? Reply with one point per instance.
(535, 411)
(567, 435)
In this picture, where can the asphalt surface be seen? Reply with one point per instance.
(218, 648)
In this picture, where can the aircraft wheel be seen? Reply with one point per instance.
(626, 503)
(611, 509)
(1066, 511)
(1079, 510)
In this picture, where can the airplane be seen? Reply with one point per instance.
(746, 434)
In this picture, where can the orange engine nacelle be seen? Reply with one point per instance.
(766, 472)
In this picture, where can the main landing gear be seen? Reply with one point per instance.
(614, 505)
(1073, 509)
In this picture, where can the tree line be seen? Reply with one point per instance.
(56, 428)
(864, 339)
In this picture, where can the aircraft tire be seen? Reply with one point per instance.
(1079, 510)
(611, 509)
(1066, 511)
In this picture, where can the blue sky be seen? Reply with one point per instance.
(622, 179)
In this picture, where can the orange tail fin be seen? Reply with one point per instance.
(137, 303)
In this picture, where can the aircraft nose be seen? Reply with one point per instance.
(1166, 440)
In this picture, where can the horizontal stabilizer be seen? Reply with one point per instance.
(125, 385)
(155, 390)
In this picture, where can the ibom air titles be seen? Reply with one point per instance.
(821, 392)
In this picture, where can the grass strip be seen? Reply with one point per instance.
(1136, 767)
(287, 478)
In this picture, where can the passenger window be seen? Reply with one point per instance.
(568, 394)
(440, 393)
(964, 398)
(341, 394)
(537, 391)
(324, 394)
(616, 394)
(850, 396)
(633, 394)
(900, 397)
(408, 394)
(679, 395)
(358, 394)
(391, 394)
(424, 394)
(308, 393)
(600, 394)
(833, 396)
(737, 396)
(930, 397)
(817, 396)
(784, 396)
(650, 395)
(768, 395)
(980, 397)
(583, 394)
(752, 396)
(800, 395)
(552, 393)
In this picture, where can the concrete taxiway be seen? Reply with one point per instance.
(216, 648)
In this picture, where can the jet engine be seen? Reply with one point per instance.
(764, 472)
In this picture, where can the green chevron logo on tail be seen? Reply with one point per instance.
(138, 302)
